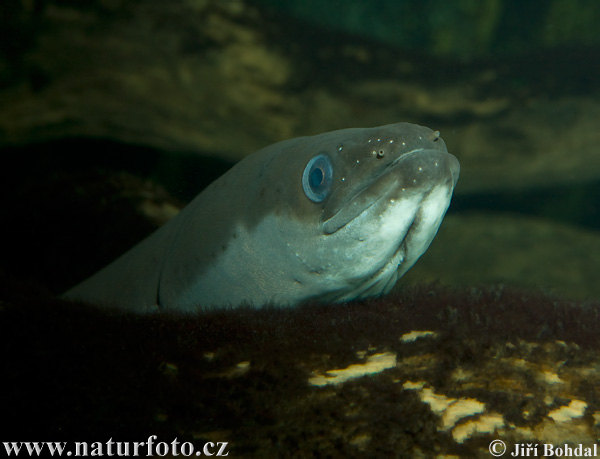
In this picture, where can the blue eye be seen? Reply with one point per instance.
(316, 178)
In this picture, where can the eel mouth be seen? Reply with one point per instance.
(408, 243)
(380, 282)
(414, 173)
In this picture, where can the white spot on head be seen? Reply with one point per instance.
(403, 144)
(420, 168)
(391, 141)
(357, 161)
(343, 179)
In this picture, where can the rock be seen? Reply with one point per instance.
(430, 372)
(539, 144)
(487, 248)
(227, 78)
(504, 27)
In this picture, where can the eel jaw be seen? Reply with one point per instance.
(417, 238)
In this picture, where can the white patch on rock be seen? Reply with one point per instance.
(551, 378)
(450, 409)
(374, 364)
(487, 423)
(414, 335)
(575, 409)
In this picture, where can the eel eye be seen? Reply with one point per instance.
(317, 178)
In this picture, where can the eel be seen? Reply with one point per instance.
(333, 217)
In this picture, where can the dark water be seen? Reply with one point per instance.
(512, 86)
(542, 53)
(114, 106)
(461, 29)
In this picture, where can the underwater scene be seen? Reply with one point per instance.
(300, 228)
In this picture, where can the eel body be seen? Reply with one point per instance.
(333, 217)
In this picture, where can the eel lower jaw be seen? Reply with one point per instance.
(411, 246)
(381, 280)
(379, 283)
